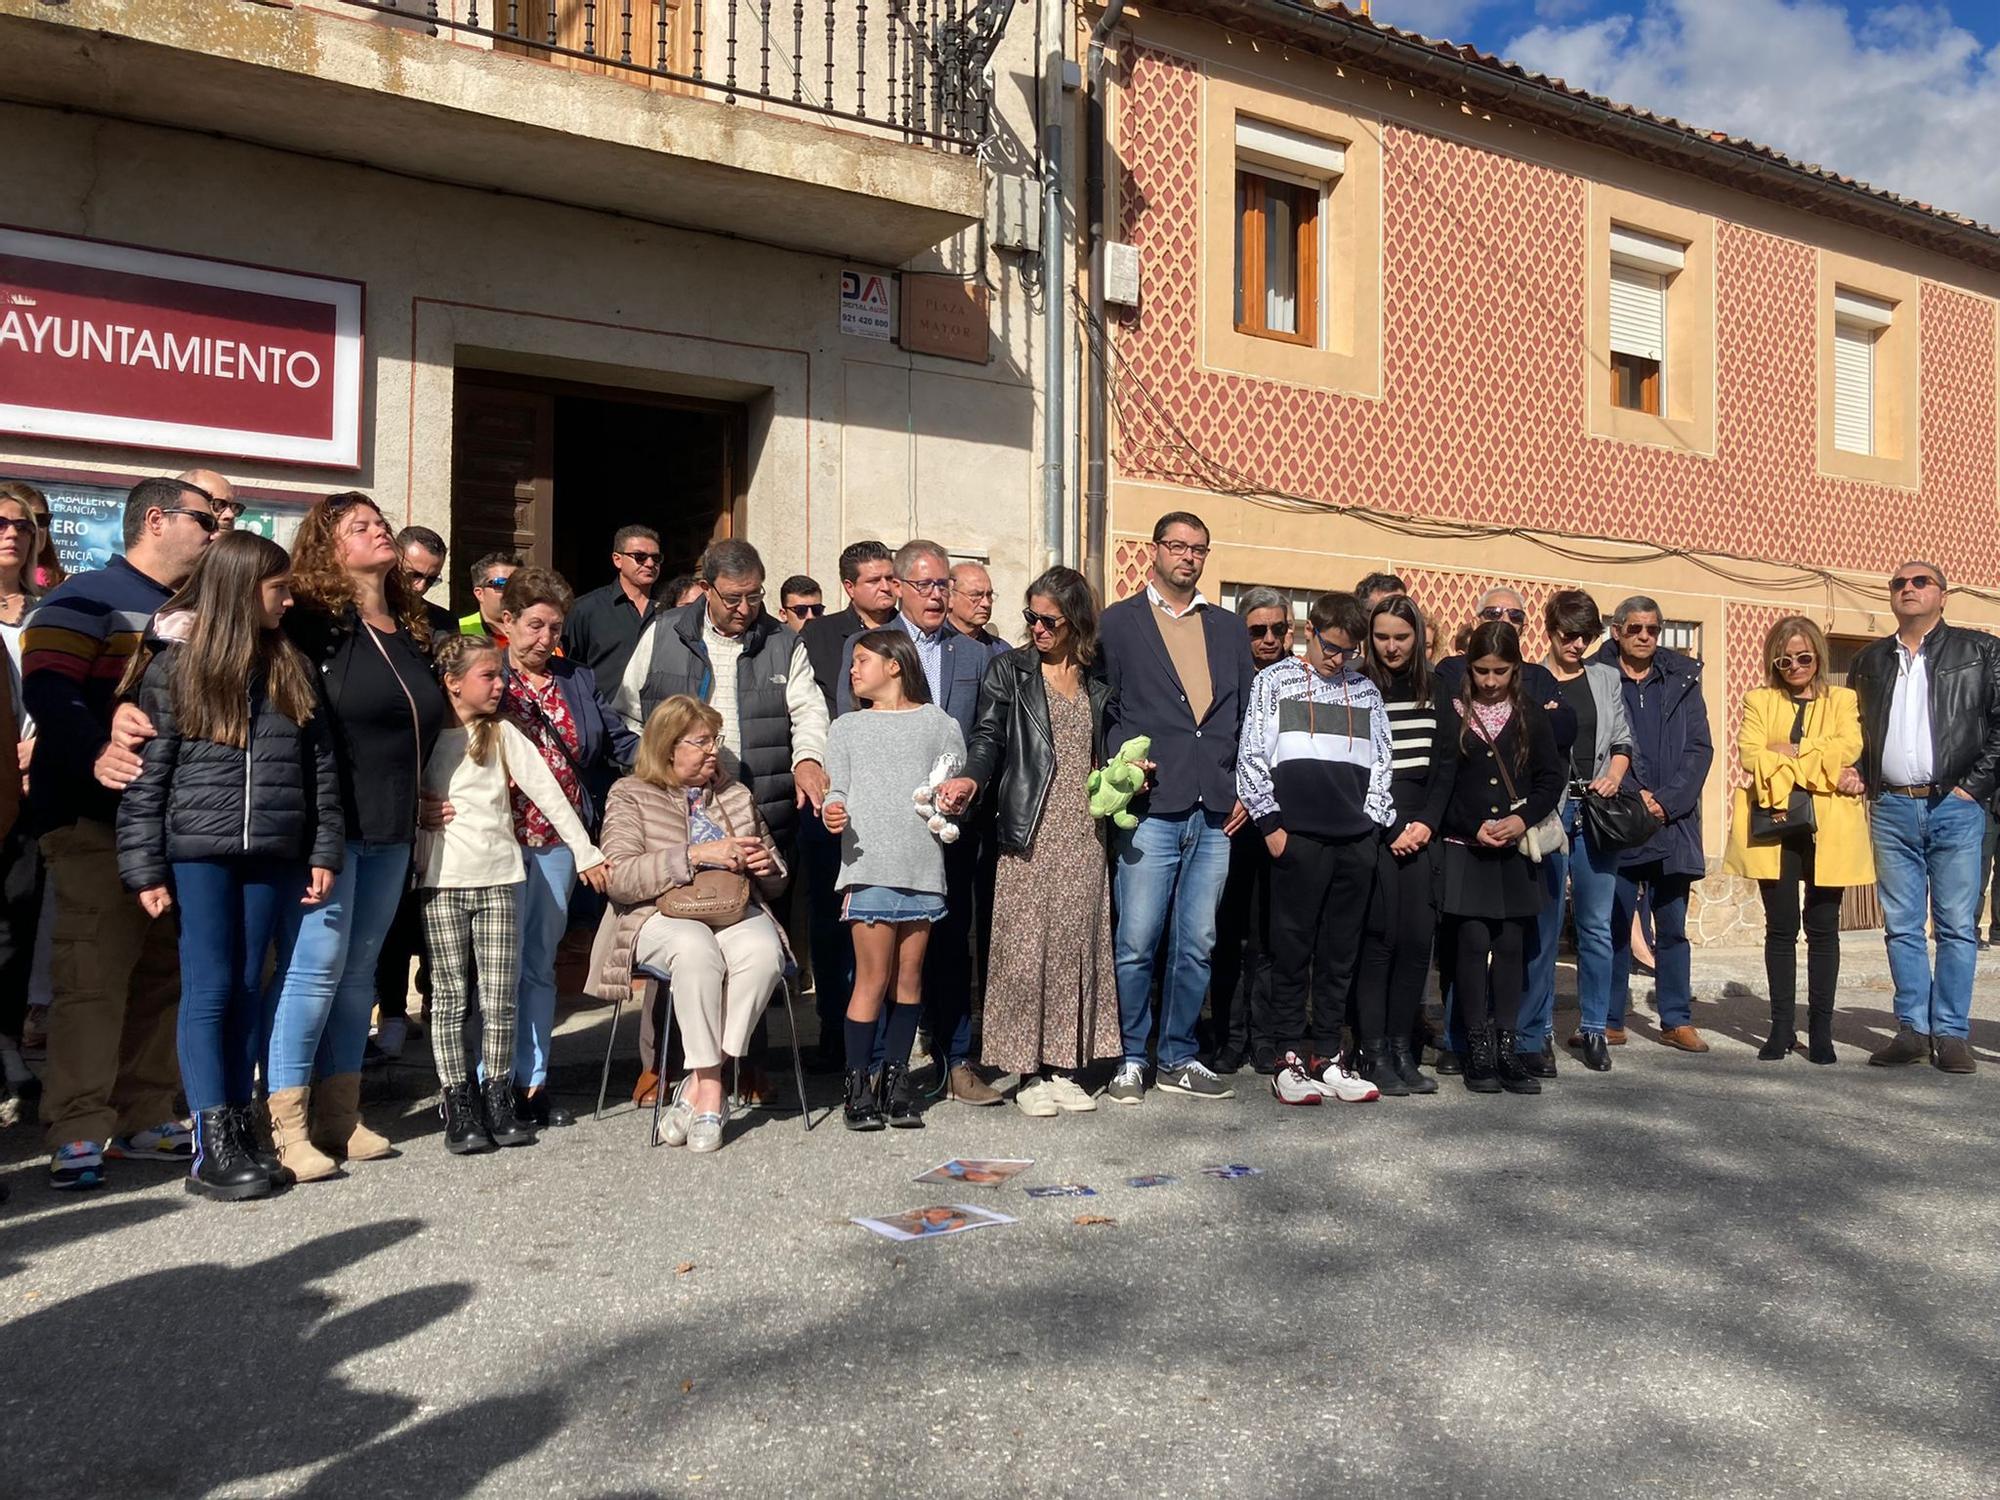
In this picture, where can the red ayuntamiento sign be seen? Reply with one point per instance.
(113, 344)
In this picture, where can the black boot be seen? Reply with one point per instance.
(506, 1128)
(464, 1127)
(898, 1107)
(243, 1120)
(1371, 1061)
(539, 1110)
(222, 1168)
(1481, 1070)
(1784, 1033)
(1448, 1062)
(1819, 1033)
(1412, 1077)
(1596, 1052)
(861, 1110)
(1514, 1075)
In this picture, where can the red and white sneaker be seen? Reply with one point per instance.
(1333, 1080)
(1291, 1084)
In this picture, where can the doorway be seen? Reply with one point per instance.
(1859, 906)
(550, 469)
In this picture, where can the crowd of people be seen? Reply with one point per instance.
(260, 785)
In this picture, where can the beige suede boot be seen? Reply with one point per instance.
(337, 1128)
(288, 1137)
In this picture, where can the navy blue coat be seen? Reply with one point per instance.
(965, 664)
(1197, 762)
(1536, 680)
(606, 746)
(1671, 756)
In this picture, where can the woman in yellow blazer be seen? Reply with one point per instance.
(1799, 733)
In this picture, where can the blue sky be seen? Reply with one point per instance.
(1905, 96)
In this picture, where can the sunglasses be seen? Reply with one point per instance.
(1800, 659)
(424, 581)
(1511, 616)
(228, 510)
(1260, 632)
(1572, 635)
(643, 559)
(807, 611)
(10, 523)
(1050, 623)
(204, 519)
(495, 584)
(1913, 581)
(1642, 630)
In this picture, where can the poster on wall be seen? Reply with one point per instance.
(88, 520)
(146, 349)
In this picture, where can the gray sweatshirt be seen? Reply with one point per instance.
(875, 761)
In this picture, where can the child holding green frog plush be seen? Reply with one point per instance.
(1051, 993)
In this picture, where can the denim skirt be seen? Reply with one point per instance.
(886, 903)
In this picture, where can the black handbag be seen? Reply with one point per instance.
(1619, 821)
(1773, 825)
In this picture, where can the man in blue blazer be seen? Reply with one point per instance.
(1180, 672)
(953, 667)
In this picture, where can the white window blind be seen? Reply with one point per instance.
(1646, 252)
(1854, 387)
(1638, 312)
(1271, 145)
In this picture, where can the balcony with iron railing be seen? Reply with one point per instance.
(848, 126)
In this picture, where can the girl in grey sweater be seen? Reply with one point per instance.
(891, 864)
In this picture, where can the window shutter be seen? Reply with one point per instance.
(1638, 313)
(1854, 388)
(1288, 150)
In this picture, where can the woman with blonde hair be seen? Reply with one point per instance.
(1794, 832)
(677, 817)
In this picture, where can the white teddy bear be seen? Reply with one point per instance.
(947, 767)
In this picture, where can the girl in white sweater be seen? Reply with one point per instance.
(469, 880)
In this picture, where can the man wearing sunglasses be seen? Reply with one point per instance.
(113, 1071)
(1671, 756)
(423, 553)
(489, 586)
(604, 625)
(1930, 764)
(800, 600)
(221, 497)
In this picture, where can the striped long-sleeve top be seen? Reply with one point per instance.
(1426, 758)
(73, 652)
(1315, 754)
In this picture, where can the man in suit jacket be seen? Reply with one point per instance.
(953, 665)
(1180, 672)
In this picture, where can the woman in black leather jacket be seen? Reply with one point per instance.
(1051, 995)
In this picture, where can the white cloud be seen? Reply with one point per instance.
(1906, 101)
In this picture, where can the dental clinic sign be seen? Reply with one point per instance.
(112, 344)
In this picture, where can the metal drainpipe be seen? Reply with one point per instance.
(1096, 511)
(1055, 291)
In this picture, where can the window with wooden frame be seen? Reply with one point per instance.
(1282, 179)
(1642, 269)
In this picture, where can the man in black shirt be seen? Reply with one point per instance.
(604, 625)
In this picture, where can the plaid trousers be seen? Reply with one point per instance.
(472, 929)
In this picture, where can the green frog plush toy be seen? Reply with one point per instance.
(1121, 779)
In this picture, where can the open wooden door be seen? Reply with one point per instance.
(502, 477)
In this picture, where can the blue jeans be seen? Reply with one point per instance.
(543, 912)
(1167, 867)
(1673, 959)
(316, 1005)
(229, 910)
(1927, 856)
(1593, 888)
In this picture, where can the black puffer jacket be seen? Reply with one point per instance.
(195, 799)
(1011, 743)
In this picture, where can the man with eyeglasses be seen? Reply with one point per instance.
(604, 625)
(1930, 765)
(1180, 673)
(1671, 756)
(969, 606)
(221, 496)
(489, 586)
(953, 667)
(423, 553)
(113, 1072)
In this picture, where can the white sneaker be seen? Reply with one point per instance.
(1291, 1084)
(677, 1119)
(1337, 1083)
(1037, 1098)
(1071, 1095)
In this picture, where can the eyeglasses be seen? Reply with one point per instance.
(204, 519)
(1196, 550)
(1799, 659)
(1913, 581)
(424, 581)
(643, 559)
(703, 742)
(228, 510)
(739, 601)
(1335, 653)
(10, 523)
(1641, 629)
(1050, 623)
(496, 583)
(926, 585)
(1260, 632)
(1567, 636)
(977, 596)
(1511, 616)
(806, 611)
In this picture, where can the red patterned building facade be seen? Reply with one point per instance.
(1436, 387)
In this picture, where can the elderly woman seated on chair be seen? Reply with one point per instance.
(677, 815)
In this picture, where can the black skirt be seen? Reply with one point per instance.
(1492, 883)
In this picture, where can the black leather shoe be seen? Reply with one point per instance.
(860, 1109)
(1596, 1052)
(539, 1110)
(1415, 1080)
(506, 1128)
(222, 1168)
(1539, 1064)
(1481, 1064)
(464, 1127)
(898, 1106)
(1512, 1067)
(243, 1120)
(1448, 1063)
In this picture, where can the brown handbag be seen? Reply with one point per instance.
(715, 898)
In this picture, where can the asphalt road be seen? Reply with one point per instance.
(1693, 1275)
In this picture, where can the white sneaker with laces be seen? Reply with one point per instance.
(1037, 1099)
(1291, 1084)
(1070, 1095)
(1337, 1083)
(170, 1140)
